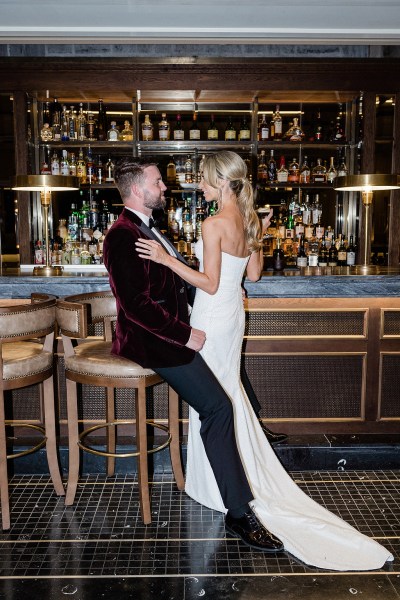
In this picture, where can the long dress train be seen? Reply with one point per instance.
(310, 532)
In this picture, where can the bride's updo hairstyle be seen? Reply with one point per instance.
(231, 167)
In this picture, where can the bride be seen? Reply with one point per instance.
(229, 247)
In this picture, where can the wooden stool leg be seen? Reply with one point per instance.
(111, 433)
(4, 497)
(141, 443)
(174, 448)
(51, 439)
(73, 437)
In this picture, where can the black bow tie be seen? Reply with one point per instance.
(151, 223)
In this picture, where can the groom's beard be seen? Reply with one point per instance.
(153, 201)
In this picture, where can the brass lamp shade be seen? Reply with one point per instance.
(46, 184)
(367, 185)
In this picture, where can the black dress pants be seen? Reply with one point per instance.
(198, 386)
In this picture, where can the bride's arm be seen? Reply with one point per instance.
(255, 265)
(208, 281)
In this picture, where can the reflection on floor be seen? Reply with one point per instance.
(99, 547)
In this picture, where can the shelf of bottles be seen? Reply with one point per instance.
(293, 151)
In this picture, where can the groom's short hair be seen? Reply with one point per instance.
(129, 170)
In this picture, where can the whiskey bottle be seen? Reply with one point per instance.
(277, 120)
(262, 171)
(101, 122)
(171, 171)
(317, 134)
(278, 257)
(263, 130)
(350, 253)
(342, 168)
(244, 131)
(230, 131)
(127, 132)
(301, 260)
(163, 128)
(331, 173)
(81, 167)
(323, 254)
(305, 172)
(333, 253)
(91, 134)
(294, 172)
(295, 132)
(212, 131)
(72, 165)
(318, 173)
(147, 129)
(282, 173)
(342, 254)
(179, 133)
(194, 131)
(188, 169)
(272, 168)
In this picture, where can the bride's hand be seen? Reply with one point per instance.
(152, 250)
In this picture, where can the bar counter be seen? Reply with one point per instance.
(321, 347)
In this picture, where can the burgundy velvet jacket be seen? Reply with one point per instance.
(153, 322)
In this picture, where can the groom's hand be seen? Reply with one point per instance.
(196, 340)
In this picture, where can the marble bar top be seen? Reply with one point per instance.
(310, 282)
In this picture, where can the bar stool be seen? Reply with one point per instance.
(26, 358)
(91, 362)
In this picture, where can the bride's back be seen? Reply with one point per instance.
(231, 226)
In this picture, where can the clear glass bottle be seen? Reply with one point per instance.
(318, 173)
(147, 129)
(64, 164)
(179, 134)
(331, 173)
(342, 168)
(81, 123)
(163, 128)
(113, 133)
(188, 169)
(109, 170)
(55, 164)
(212, 131)
(46, 133)
(277, 120)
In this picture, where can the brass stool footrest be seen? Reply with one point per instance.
(121, 454)
(34, 448)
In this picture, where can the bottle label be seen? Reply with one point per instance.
(163, 135)
(179, 134)
(302, 261)
(244, 134)
(319, 232)
(282, 176)
(147, 134)
(351, 258)
(278, 128)
(299, 229)
(313, 260)
(212, 134)
(264, 134)
(289, 234)
(342, 255)
(194, 134)
(230, 134)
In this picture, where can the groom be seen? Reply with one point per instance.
(153, 330)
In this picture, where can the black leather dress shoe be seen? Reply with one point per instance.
(273, 438)
(252, 533)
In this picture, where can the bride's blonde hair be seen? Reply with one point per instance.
(231, 167)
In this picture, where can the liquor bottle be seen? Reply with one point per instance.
(171, 171)
(342, 254)
(188, 169)
(323, 254)
(72, 165)
(99, 170)
(91, 134)
(305, 172)
(282, 173)
(306, 210)
(337, 134)
(72, 124)
(64, 164)
(93, 214)
(313, 250)
(163, 128)
(46, 114)
(81, 123)
(46, 133)
(147, 129)
(230, 131)
(294, 172)
(55, 164)
(56, 120)
(64, 124)
(113, 132)
(81, 167)
(350, 253)
(101, 122)
(316, 210)
(342, 168)
(179, 133)
(262, 170)
(109, 171)
(360, 131)
(38, 253)
(277, 120)
(295, 132)
(301, 260)
(181, 244)
(103, 216)
(263, 130)
(290, 225)
(271, 168)
(127, 132)
(45, 167)
(278, 257)
(331, 173)
(194, 131)
(90, 170)
(317, 134)
(333, 253)
(212, 131)
(244, 131)
(318, 173)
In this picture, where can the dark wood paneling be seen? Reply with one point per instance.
(21, 168)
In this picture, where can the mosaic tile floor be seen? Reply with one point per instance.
(101, 541)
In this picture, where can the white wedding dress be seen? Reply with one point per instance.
(310, 532)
